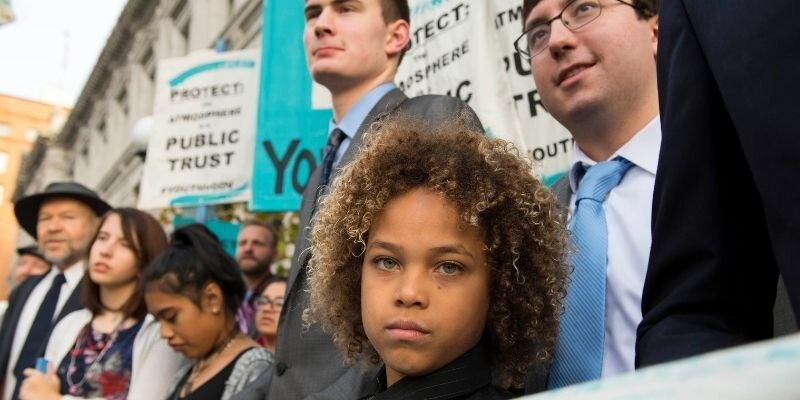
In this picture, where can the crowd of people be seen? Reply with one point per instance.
(431, 262)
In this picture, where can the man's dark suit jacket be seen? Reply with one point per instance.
(536, 381)
(307, 364)
(726, 219)
(16, 301)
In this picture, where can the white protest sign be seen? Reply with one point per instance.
(465, 48)
(201, 150)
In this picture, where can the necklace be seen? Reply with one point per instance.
(74, 355)
(201, 365)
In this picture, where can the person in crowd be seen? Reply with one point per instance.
(194, 289)
(111, 349)
(255, 250)
(453, 258)
(353, 48)
(725, 215)
(268, 311)
(31, 262)
(63, 219)
(594, 65)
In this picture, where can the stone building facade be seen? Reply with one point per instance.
(25, 128)
(103, 142)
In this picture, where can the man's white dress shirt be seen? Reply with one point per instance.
(73, 276)
(628, 209)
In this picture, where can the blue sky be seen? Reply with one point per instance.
(52, 47)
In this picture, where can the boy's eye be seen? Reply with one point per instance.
(450, 268)
(386, 263)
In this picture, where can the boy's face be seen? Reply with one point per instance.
(424, 285)
(611, 60)
(347, 41)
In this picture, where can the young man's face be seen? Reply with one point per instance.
(348, 42)
(424, 285)
(609, 61)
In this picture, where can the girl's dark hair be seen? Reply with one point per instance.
(194, 259)
(147, 240)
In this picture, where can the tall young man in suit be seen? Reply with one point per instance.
(353, 48)
(63, 219)
(594, 66)
(726, 219)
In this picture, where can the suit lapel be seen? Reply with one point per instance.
(562, 190)
(73, 303)
(17, 301)
(387, 104)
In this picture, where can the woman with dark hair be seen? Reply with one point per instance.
(111, 349)
(194, 289)
(268, 310)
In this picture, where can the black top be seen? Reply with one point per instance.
(212, 389)
(468, 377)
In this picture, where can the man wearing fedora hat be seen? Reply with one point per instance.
(63, 219)
(31, 262)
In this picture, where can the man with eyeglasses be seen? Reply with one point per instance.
(593, 62)
(728, 94)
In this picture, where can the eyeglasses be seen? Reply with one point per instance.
(263, 301)
(575, 15)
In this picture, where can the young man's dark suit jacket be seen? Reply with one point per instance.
(536, 380)
(726, 219)
(16, 301)
(307, 364)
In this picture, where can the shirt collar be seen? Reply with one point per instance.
(642, 150)
(464, 375)
(358, 113)
(74, 274)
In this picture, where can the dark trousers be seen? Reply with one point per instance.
(726, 207)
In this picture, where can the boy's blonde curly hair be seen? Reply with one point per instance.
(492, 188)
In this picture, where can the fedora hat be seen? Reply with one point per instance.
(30, 250)
(27, 208)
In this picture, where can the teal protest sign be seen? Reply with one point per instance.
(290, 132)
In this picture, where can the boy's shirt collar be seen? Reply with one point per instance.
(465, 375)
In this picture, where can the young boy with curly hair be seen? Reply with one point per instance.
(439, 254)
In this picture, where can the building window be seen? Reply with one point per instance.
(122, 100)
(3, 162)
(181, 15)
(149, 64)
(31, 134)
(85, 151)
(101, 130)
(5, 129)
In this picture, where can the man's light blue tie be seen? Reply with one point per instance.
(579, 351)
